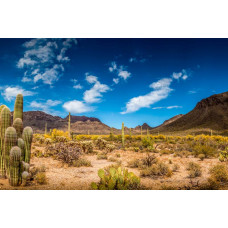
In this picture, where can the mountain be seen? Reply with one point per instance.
(166, 122)
(79, 124)
(211, 113)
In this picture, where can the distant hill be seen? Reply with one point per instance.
(211, 113)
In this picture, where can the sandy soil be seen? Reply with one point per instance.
(60, 176)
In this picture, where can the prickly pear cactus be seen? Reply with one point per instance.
(21, 144)
(18, 107)
(18, 125)
(15, 166)
(27, 137)
(10, 141)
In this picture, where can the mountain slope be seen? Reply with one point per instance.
(211, 112)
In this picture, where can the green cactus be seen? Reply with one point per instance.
(18, 125)
(45, 131)
(25, 176)
(27, 137)
(10, 141)
(15, 166)
(21, 145)
(18, 107)
(117, 179)
(69, 125)
(141, 132)
(130, 133)
(123, 134)
(24, 166)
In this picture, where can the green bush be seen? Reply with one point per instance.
(117, 179)
(219, 173)
(102, 156)
(82, 162)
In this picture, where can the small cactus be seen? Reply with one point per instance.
(24, 166)
(15, 166)
(21, 145)
(123, 134)
(18, 125)
(25, 176)
(18, 107)
(27, 137)
(10, 141)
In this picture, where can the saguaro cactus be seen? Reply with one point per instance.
(10, 141)
(21, 145)
(18, 125)
(18, 107)
(69, 125)
(15, 166)
(141, 131)
(130, 133)
(27, 137)
(123, 134)
(45, 131)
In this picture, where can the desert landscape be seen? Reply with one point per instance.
(184, 153)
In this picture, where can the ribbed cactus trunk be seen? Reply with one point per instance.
(15, 166)
(5, 123)
(10, 141)
(18, 107)
(123, 134)
(18, 125)
(27, 137)
(45, 131)
(69, 125)
(21, 145)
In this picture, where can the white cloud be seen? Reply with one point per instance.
(45, 106)
(192, 91)
(184, 74)
(11, 92)
(162, 83)
(78, 86)
(124, 74)
(91, 79)
(76, 107)
(169, 107)
(120, 71)
(131, 60)
(116, 80)
(44, 58)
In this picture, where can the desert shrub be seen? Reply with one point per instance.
(110, 147)
(82, 162)
(102, 156)
(208, 151)
(136, 149)
(101, 143)
(194, 170)
(223, 155)
(170, 161)
(175, 168)
(147, 142)
(201, 157)
(135, 163)
(41, 178)
(87, 147)
(118, 155)
(117, 179)
(219, 173)
(149, 160)
(159, 169)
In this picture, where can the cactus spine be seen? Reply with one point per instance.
(27, 137)
(123, 134)
(18, 107)
(18, 125)
(15, 166)
(10, 141)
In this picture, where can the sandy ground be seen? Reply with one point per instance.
(60, 176)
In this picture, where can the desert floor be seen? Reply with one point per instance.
(60, 176)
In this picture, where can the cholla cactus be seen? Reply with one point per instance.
(21, 145)
(10, 141)
(18, 107)
(27, 137)
(101, 143)
(87, 146)
(123, 134)
(15, 166)
(18, 125)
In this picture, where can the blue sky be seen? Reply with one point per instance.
(115, 80)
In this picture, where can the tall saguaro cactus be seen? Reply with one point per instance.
(15, 166)
(10, 141)
(27, 137)
(21, 145)
(18, 107)
(123, 134)
(69, 125)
